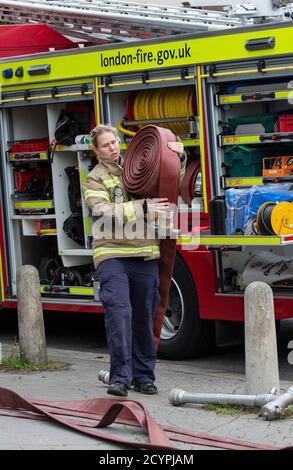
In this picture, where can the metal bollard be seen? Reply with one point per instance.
(180, 397)
(104, 376)
(32, 340)
(276, 408)
(261, 357)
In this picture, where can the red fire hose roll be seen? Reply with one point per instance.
(187, 186)
(151, 170)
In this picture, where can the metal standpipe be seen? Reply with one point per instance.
(180, 397)
(104, 376)
(276, 408)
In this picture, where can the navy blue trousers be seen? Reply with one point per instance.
(129, 291)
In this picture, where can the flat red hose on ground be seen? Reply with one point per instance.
(89, 416)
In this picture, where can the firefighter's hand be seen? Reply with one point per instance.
(158, 204)
(177, 147)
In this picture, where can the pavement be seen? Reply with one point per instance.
(79, 381)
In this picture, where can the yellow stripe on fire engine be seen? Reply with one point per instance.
(228, 240)
(87, 224)
(34, 204)
(32, 86)
(17, 156)
(240, 139)
(232, 99)
(83, 175)
(97, 98)
(243, 181)
(71, 148)
(71, 290)
(164, 53)
(201, 112)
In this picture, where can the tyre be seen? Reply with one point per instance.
(48, 267)
(184, 334)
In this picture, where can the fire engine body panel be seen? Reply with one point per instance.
(232, 94)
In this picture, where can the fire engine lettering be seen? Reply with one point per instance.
(139, 56)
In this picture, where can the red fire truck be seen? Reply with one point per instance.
(227, 94)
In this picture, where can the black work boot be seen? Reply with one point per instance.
(148, 388)
(118, 388)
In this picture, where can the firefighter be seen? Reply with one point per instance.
(127, 267)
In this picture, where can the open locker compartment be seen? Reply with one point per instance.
(245, 114)
(36, 227)
(73, 250)
(264, 264)
(29, 250)
(27, 187)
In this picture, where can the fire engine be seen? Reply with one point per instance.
(221, 80)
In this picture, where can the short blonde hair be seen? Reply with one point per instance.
(102, 129)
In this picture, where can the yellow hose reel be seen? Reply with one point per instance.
(275, 218)
(162, 103)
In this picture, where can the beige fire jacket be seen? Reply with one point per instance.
(120, 229)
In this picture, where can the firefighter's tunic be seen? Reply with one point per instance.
(117, 215)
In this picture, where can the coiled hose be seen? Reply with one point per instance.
(161, 103)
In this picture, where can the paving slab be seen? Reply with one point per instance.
(79, 381)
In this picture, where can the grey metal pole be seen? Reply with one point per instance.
(180, 397)
(276, 408)
(32, 340)
(261, 357)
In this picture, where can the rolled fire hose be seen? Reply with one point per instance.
(187, 186)
(151, 170)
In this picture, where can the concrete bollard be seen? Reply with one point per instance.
(32, 340)
(261, 357)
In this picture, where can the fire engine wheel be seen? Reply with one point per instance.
(184, 334)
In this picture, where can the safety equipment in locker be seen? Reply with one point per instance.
(278, 166)
(32, 145)
(74, 194)
(285, 123)
(243, 205)
(275, 218)
(45, 227)
(73, 227)
(242, 125)
(36, 181)
(268, 267)
(66, 129)
(218, 211)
